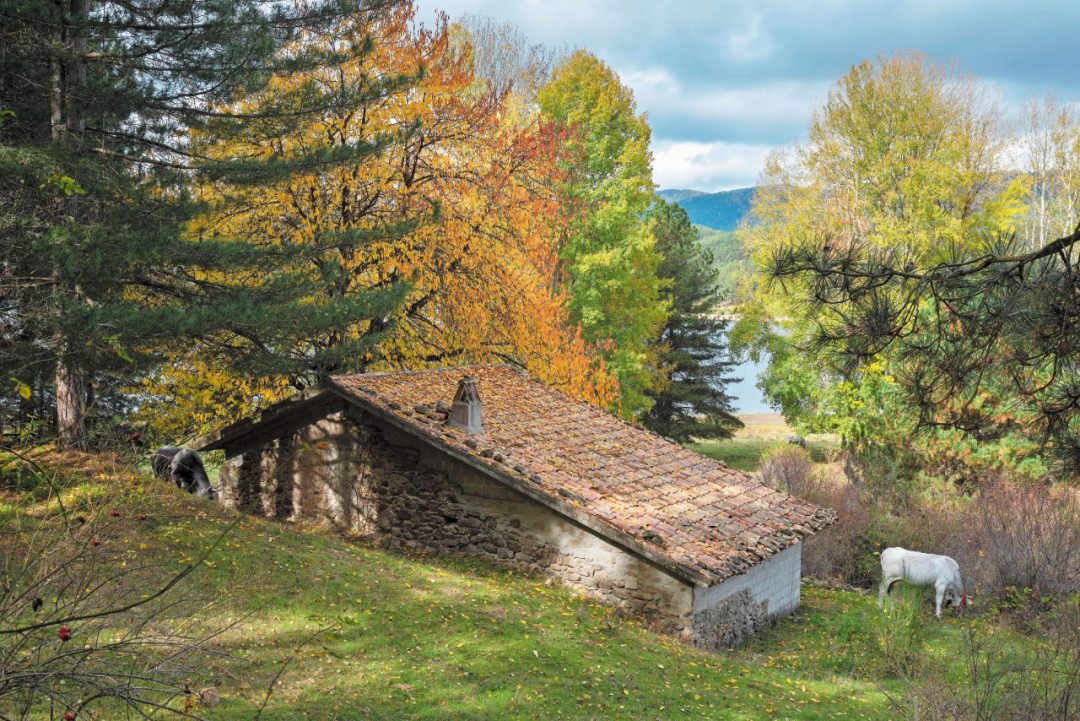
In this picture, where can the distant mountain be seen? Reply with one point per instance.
(720, 211)
(675, 195)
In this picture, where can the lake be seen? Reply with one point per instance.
(747, 398)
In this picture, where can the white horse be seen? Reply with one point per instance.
(923, 569)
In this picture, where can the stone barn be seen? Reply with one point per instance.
(485, 461)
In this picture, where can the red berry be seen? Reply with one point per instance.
(114, 513)
(68, 716)
(94, 542)
(64, 633)
(142, 516)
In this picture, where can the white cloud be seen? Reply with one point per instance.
(777, 104)
(717, 164)
(709, 166)
(771, 102)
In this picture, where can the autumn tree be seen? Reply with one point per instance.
(99, 98)
(1050, 145)
(609, 250)
(460, 208)
(902, 171)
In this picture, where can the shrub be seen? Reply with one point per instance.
(840, 551)
(83, 632)
(790, 469)
(836, 553)
(1003, 684)
(1016, 541)
(1024, 542)
(844, 550)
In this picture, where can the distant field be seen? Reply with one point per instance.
(762, 432)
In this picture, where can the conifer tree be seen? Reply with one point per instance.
(99, 102)
(694, 403)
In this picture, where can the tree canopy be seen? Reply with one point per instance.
(894, 252)
(209, 204)
(609, 249)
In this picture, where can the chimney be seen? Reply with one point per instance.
(465, 411)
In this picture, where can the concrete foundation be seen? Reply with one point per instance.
(728, 613)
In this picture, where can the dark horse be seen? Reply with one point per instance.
(185, 468)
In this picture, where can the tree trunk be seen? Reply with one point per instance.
(66, 98)
(70, 399)
(56, 92)
(74, 96)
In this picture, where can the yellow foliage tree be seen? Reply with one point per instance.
(904, 156)
(459, 203)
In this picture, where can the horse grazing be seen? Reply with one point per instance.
(185, 468)
(923, 569)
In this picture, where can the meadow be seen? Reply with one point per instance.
(314, 625)
(760, 433)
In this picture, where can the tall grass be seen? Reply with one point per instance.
(901, 632)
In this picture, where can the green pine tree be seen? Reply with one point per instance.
(694, 404)
(99, 102)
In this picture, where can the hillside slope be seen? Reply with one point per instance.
(366, 633)
(732, 263)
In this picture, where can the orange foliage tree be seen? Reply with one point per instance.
(461, 203)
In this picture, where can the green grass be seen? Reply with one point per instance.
(761, 433)
(365, 633)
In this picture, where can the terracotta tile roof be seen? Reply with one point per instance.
(695, 513)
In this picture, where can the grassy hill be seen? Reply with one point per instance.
(357, 632)
(730, 258)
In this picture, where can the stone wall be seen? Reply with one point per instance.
(306, 470)
(728, 613)
(339, 467)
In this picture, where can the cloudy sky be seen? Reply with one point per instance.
(725, 81)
